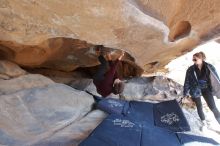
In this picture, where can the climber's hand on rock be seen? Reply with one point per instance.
(108, 56)
(122, 55)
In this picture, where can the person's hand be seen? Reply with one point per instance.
(187, 101)
(122, 55)
(183, 100)
(97, 51)
(117, 81)
(108, 56)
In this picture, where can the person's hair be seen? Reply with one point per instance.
(98, 47)
(200, 55)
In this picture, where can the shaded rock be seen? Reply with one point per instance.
(152, 88)
(140, 88)
(58, 76)
(69, 54)
(88, 85)
(83, 85)
(23, 82)
(5, 77)
(33, 115)
(10, 69)
(76, 132)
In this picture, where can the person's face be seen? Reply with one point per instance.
(197, 60)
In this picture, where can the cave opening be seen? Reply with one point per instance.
(179, 30)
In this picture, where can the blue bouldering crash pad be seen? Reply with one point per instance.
(169, 115)
(134, 123)
(115, 130)
(166, 114)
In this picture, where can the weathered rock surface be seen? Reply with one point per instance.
(141, 88)
(59, 76)
(24, 82)
(60, 35)
(10, 70)
(34, 110)
(33, 115)
(152, 88)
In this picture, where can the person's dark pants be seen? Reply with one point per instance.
(207, 94)
(100, 74)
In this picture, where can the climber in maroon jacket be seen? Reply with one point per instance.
(106, 78)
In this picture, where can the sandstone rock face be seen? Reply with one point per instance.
(59, 76)
(9, 69)
(60, 35)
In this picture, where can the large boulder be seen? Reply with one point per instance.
(155, 88)
(24, 82)
(76, 132)
(37, 111)
(34, 115)
(61, 35)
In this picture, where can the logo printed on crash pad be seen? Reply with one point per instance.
(114, 103)
(169, 118)
(123, 123)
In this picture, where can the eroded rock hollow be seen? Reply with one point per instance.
(38, 33)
